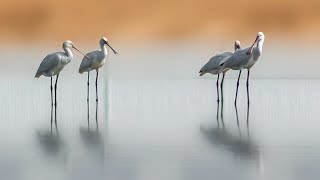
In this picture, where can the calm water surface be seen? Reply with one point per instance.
(158, 120)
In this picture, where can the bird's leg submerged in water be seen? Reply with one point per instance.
(97, 97)
(248, 86)
(51, 88)
(217, 84)
(221, 87)
(97, 85)
(237, 116)
(55, 99)
(235, 100)
(248, 112)
(218, 115)
(221, 115)
(88, 98)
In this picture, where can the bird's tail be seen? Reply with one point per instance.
(81, 71)
(38, 74)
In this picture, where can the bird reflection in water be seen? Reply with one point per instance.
(88, 113)
(93, 139)
(93, 154)
(53, 145)
(228, 140)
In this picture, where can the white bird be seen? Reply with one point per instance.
(245, 59)
(52, 64)
(214, 67)
(95, 61)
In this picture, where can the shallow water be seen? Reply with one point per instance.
(158, 120)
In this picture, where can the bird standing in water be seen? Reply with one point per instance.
(214, 66)
(51, 65)
(245, 59)
(93, 61)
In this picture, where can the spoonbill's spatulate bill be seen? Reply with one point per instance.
(95, 60)
(51, 65)
(214, 66)
(244, 58)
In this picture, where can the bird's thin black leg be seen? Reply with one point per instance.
(248, 112)
(237, 116)
(88, 115)
(221, 116)
(248, 86)
(218, 115)
(235, 100)
(55, 99)
(97, 97)
(221, 87)
(51, 88)
(217, 84)
(97, 85)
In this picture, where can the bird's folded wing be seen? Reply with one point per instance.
(223, 61)
(48, 63)
(85, 63)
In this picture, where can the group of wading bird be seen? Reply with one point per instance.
(242, 58)
(53, 63)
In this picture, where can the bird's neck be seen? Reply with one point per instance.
(258, 50)
(68, 52)
(104, 49)
(259, 45)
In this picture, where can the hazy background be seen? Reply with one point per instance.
(145, 21)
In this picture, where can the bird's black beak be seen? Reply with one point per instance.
(250, 49)
(114, 51)
(80, 51)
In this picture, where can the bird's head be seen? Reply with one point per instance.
(69, 44)
(104, 41)
(201, 72)
(237, 45)
(260, 37)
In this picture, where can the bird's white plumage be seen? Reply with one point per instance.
(215, 64)
(240, 59)
(257, 51)
(53, 63)
(97, 58)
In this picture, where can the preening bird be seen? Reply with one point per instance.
(245, 59)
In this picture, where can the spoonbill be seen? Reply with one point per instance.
(214, 67)
(257, 51)
(244, 59)
(51, 65)
(95, 60)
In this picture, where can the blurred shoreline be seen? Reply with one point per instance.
(148, 21)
